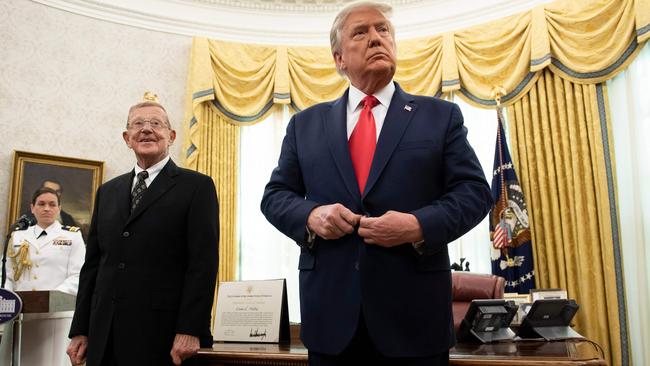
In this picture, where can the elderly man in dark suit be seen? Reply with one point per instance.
(373, 186)
(147, 285)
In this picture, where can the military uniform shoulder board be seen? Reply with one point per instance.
(73, 229)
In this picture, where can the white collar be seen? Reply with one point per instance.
(154, 169)
(384, 95)
(56, 226)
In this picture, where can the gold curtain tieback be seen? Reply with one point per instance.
(496, 94)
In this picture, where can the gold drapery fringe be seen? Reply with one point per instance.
(558, 147)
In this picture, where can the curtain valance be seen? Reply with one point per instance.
(582, 41)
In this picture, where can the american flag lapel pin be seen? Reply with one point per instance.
(408, 108)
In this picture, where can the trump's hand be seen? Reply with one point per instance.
(332, 221)
(390, 229)
(185, 346)
(77, 349)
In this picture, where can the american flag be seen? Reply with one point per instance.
(512, 253)
(501, 239)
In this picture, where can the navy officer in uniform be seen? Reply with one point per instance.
(46, 256)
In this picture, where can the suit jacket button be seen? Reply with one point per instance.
(356, 265)
(121, 266)
(126, 234)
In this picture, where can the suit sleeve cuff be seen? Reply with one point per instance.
(310, 237)
(419, 246)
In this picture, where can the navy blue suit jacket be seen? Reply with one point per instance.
(424, 165)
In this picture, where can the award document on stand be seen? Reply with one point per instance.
(252, 311)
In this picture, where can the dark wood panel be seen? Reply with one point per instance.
(46, 301)
(525, 353)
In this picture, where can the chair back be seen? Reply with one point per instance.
(467, 286)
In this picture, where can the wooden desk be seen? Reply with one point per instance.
(528, 353)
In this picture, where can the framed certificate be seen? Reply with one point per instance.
(548, 294)
(252, 311)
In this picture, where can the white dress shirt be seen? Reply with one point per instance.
(152, 170)
(355, 96)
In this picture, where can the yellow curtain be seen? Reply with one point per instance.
(312, 76)
(222, 140)
(579, 42)
(219, 143)
(206, 131)
(584, 41)
(420, 65)
(560, 143)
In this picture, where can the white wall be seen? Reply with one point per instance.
(67, 81)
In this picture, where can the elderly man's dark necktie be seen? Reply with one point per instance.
(138, 190)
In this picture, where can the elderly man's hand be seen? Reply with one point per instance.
(77, 349)
(390, 229)
(185, 346)
(332, 221)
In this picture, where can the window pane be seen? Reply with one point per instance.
(265, 253)
(475, 246)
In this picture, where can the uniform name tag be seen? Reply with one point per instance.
(65, 242)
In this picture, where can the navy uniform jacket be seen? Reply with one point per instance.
(150, 274)
(56, 259)
(424, 165)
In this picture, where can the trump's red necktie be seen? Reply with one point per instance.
(362, 142)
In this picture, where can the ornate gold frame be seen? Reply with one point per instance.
(23, 158)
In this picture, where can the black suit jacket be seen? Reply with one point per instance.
(150, 274)
(423, 165)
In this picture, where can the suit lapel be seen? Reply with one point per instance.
(163, 182)
(335, 127)
(401, 110)
(123, 195)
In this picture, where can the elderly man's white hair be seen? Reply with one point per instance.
(337, 26)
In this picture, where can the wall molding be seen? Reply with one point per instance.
(291, 22)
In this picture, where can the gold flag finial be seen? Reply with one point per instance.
(497, 93)
(150, 97)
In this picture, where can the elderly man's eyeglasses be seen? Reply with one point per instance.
(155, 124)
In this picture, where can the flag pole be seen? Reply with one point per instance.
(497, 93)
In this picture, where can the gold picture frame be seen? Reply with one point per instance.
(77, 178)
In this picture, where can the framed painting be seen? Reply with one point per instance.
(76, 180)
